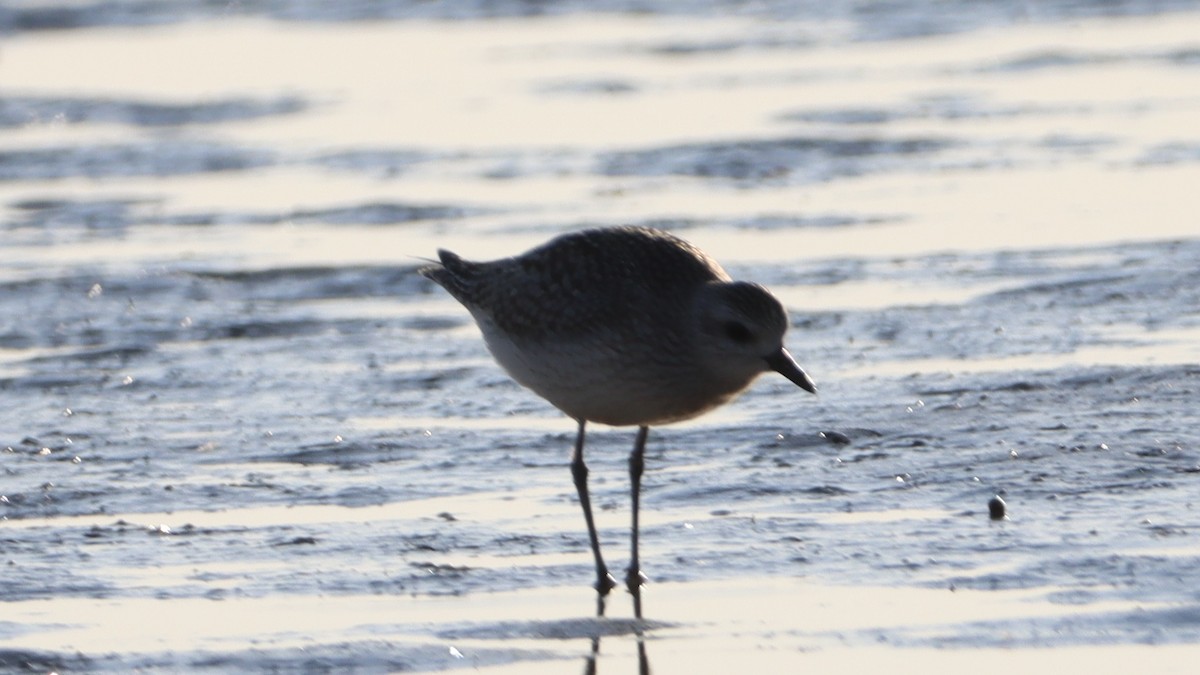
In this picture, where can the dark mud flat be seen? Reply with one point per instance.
(239, 433)
(220, 459)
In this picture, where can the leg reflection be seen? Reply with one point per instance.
(589, 666)
(638, 627)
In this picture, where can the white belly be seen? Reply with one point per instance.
(588, 382)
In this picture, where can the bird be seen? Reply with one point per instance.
(623, 326)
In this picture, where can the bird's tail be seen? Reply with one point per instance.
(453, 273)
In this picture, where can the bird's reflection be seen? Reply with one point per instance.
(590, 662)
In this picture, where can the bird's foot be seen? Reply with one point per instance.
(604, 584)
(634, 580)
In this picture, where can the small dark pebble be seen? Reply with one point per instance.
(835, 437)
(997, 509)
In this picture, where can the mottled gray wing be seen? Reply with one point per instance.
(581, 282)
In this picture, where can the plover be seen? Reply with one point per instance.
(626, 326)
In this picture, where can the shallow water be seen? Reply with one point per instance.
(233, 416)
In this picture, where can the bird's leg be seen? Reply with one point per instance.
(579, 471)
(634, 579)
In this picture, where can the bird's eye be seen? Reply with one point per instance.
(737, 332)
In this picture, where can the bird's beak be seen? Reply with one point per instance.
(783, 363)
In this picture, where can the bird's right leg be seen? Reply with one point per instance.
(579, 471)
(634, 579)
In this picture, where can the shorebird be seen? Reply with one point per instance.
(626, 326)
